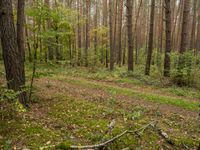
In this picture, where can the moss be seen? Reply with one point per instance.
(63, 146)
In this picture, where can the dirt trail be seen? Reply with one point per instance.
(49, 87)
(140, 89)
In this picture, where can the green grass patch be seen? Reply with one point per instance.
(186, 104)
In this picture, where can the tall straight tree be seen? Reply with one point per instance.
(50, 49)
(119, 60)
(185, 24)
(130, 34)
(79, 32)
(20, 34)
(11, 53)
(87, 31)
(184, 40)
(168, 38)
(150, 43)
(192, 38)
(198, 30)
(111, 36)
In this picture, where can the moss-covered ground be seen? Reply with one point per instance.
(74, 106)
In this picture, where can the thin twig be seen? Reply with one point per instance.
(101, 145)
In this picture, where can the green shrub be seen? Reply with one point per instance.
(186, 69)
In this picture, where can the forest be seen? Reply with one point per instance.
(100, 74)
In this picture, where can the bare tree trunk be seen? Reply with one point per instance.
(135, 31)
(198, 31)
(95, 34)
(119, 60)
(185, 24)
(50, 49)
(150, 43)
(11, 54)
(115, 32)
(130, 34)
(79, 33)
(192, 38)
(87, 31)
(111, 37)
(168, 38)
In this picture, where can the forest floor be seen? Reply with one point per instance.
(76, 105)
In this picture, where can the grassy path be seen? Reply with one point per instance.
(77, 110)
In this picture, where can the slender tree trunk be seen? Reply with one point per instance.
(79, 33)
(150, 43)
(95, 34)
(30, 59)
(130, 34)
(119, 60)
(198, 31)
(185, 24)
(49, 43)
(184, 42)
(11, 54)
(87, 31)
(111, 37)
(192, 38)
(168, 38)
(136, 33)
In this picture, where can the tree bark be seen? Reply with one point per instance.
(192, 38)
(150, 43)
(87, 31)
(119, 60)
(168, 38)
(79, 33)
(185, 24)
(111, 37)
(130, 34)
(11, 54)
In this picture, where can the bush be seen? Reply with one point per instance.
(186, 69)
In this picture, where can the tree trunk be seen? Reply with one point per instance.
(130, 34)
(50, 49)
(168, 38)
(192, 38)
(87, 31)
(111, 37)
(95, 34)
(185, 24)
(120, 33)
(198, 31)
(150, 43)
(79, 33)
(11, 55)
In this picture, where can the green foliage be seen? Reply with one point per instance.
(186, 69)
(63, 146)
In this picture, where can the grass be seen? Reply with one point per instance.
(61, 116)
(191, 105)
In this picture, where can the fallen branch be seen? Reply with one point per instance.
(101, 145)
(163, 135)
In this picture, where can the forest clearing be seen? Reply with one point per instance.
(100, 74)
(76, 106)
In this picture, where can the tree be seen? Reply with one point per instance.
(111, 36)
(87, 31)
(120, 33)
(192, 38)
(11, 54)
(79, 33)
(185, 24)
(50, 49)
(198, 31)
(150, 43)
(130, 34)
(168, 38)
